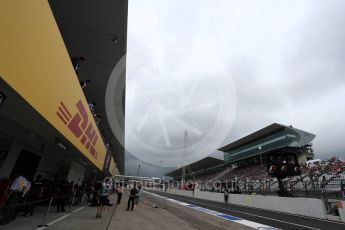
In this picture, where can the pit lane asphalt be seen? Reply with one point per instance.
(271, 218)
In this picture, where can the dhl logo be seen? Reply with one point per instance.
(80, 126)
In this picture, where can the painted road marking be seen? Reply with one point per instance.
(268, 218)
(224, 216)
(264, 217)
(60, 218)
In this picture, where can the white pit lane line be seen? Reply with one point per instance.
(59, 219)
(268, 218)
(224, 216)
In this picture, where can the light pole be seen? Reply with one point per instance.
(138, 169)
(260, 154)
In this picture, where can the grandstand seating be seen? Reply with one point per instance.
(247, 173)
(206, 177)
(331, 166)
(255, 175)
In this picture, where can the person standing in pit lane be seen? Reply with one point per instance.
(137, 195)
(103, 200)
(131, 198)
(226, 195)
(119, 191)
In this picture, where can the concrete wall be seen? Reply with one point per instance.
(300, 206)
(76, 173)
(48, 168)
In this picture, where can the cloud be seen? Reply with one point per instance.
(286, 59)
(147, 170)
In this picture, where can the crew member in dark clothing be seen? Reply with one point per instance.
(96, 193)
(76, 61)
(62, 191)
(83, 84)
(89, 190)
(226, 195)
(131, 198)
(119, 191)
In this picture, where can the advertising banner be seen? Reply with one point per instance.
(35, 63)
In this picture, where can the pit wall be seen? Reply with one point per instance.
(310, 207)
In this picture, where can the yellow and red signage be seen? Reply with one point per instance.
(80, 126)
(34, 62)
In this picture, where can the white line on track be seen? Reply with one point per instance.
(284, 213)
(60, 218)
(281, 221)
(268, 218)
(77, 210)
(227, 217)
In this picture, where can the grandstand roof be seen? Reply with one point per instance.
(266, 132)
(205, 163)
(273, 138)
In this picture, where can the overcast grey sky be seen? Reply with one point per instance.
(285, 59)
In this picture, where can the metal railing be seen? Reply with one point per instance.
(8, 212)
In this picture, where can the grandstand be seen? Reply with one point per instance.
(203, 169)
(277, 148)
(275, 139)
(270, 160)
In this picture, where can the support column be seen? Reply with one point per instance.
(10, 161)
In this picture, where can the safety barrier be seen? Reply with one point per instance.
(299, 206)
(8, 212)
